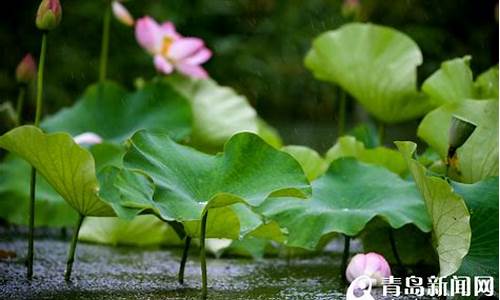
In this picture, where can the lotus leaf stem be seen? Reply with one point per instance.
(345, 256)
(203, 260)
(72, 248)
(187, 243)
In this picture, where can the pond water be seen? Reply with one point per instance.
(104, 272)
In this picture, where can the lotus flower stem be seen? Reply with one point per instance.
(185, 253)
(342, 108)
(38, 114)
(105, 43)
(72, 248)
(345, 256)
(395, 250)
(20, 104)
(39, 84)
(203, 260)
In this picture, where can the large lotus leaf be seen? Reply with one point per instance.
(188, 182)
(482, 200)
(144, 230)
(447, 210)
(478, 157)
(109, 111)
(311, 162)
(486, 85)
(132, 192)
(66, 166)
(377, 65)
(348, 146)
(107, 154)
(344, 200)
(269, 230)
(453, 82)
(50, 209)
(218, 111)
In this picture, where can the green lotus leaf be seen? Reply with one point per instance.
(50, 209)
(486, 85)
(233, 221)
(107, 154)
(478, 157)
(146, 230)
(348, 146)
(376, 65)
(188, 183)
(447, 210)
(482, 201)
(218, 112)
(67, 167)
(344, 200)
(312, 163)
(453, 82)
(109, 111)
(367, 134)
(269, 230)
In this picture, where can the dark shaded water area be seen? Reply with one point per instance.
(105, 272)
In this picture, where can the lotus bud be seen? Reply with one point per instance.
(87, 138)
(26, 69)
(122, 14)
(48, 15)
(371, 264)
(460, 131)
(351, 8)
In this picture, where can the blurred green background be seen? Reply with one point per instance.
(258, 45)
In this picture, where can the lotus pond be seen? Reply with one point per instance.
(177, 187)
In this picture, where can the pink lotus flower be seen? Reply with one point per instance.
(122, 14)
(171, 50)
(371, 264)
